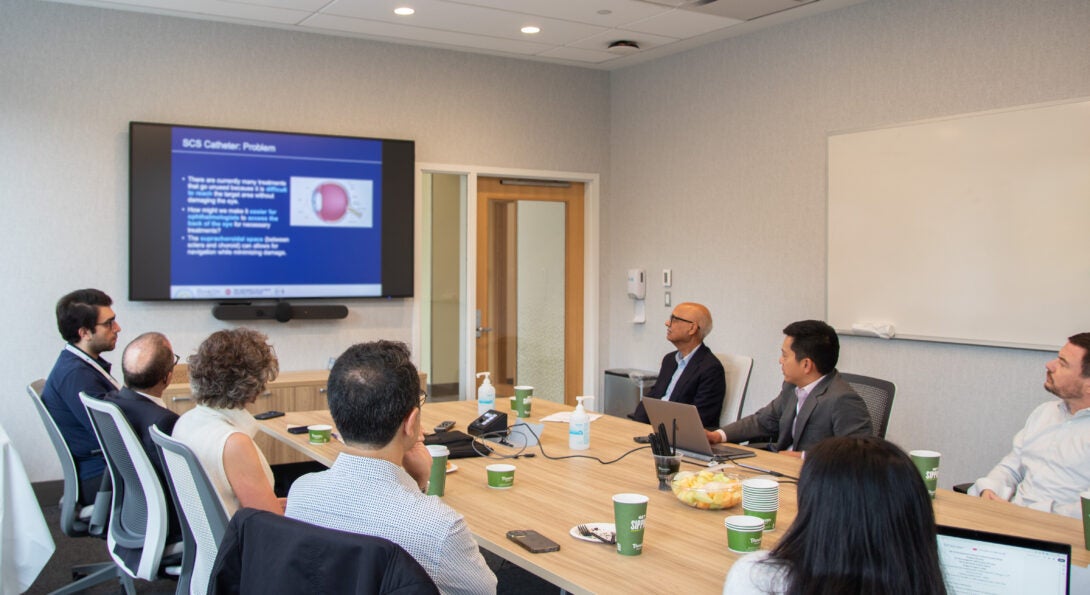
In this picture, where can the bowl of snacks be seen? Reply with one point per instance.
(707, 490)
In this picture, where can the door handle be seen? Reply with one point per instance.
(483, 329)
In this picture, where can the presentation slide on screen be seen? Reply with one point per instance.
(263, 215)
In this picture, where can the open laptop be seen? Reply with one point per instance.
(691, 439)
(979, 562)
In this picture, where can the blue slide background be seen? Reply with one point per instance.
(315, 255)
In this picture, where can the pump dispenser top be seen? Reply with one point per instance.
(486, 394)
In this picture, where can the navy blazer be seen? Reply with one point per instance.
(703, 383)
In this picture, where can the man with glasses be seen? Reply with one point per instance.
(815, 402)
(147, 365)
(692, 374)
(376, 486)
(89, 326)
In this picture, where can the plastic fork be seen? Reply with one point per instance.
(586, 531)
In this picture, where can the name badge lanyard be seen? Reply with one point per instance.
(90, 360)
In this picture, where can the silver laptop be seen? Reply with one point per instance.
(975, 562)
(691, 439)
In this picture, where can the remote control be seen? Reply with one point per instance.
(443, 427)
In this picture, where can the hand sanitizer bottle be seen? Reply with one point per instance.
(579, 427)
(486, 394)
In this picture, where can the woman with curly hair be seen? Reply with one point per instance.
(229, 371)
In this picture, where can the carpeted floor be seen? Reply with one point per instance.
(87, 550)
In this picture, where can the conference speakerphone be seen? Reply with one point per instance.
(279, 311)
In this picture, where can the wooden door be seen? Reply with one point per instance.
(498, 340)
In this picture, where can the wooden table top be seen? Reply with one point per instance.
(685, 549)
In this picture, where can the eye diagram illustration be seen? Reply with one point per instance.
(331, 202)
(326, 202)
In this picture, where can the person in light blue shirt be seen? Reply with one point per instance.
(375, 487)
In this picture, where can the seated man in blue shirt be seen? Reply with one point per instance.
(86, 321)
(692, 374)
(376, 486)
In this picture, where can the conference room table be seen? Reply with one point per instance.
(685, 549)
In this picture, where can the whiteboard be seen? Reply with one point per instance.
(972, 229)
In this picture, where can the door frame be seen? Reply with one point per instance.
(590, 263)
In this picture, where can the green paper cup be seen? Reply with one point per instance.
(629, 515)
(523, 400)
(767, 516)
(320, 434)
(437, 481)
(1086, 518)
(501, 476)
(744, 533)
(927, 461)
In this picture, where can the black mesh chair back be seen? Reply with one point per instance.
(878, 395)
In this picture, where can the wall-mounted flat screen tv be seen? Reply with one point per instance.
(230, 215)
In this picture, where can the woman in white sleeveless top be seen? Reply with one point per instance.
(229, 371)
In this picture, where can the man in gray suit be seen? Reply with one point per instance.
(815, 403)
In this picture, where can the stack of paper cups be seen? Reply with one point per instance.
(744, 533)
(761, 498)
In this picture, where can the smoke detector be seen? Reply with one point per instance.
(624, 47)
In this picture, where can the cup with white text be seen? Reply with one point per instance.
(927, 461)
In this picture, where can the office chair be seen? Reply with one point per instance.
(878, 396)
(76, 520)
(204, 519)
(139, 518)
(309, 558)
(737, 368)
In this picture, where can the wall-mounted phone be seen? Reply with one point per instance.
(637, 284)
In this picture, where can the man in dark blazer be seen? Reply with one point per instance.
(815, 403)
(692, 374)
(148, 367)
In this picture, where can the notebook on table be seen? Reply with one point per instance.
(981, 563)
(691, 439)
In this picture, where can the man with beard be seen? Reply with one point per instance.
(1049, 465)
(89, 326)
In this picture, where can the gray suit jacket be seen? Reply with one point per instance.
(832, 409)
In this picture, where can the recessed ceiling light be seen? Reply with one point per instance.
(530, 29)
(403, 11)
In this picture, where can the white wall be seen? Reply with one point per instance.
(718, 172)
(73, 77)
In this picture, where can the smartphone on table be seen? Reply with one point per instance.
(533, 541)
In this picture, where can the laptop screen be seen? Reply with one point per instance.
(983, 563)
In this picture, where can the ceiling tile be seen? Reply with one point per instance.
(682, 24)
(216, 8)
(602, 40)
(462, 18)
(579, 55)
(403, 34)
(583, 11)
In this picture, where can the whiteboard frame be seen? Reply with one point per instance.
(835, 228)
